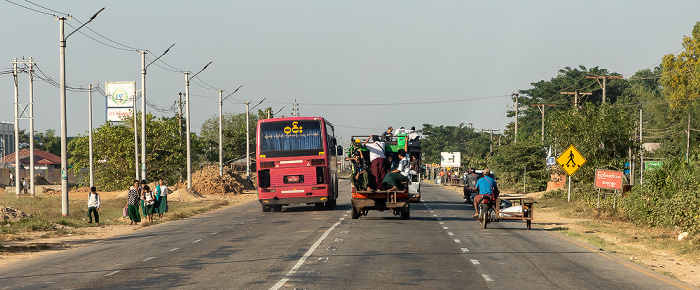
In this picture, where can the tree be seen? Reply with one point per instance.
(681, 78)
(234, 135)
(113, 151)
(474, 147)
(48, 142)
(512, 161)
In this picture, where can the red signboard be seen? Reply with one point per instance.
(608, 179)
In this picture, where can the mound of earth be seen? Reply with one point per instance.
(12, 214)
(208, 182)
(41, 180)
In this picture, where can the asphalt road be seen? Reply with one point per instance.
(240, 247)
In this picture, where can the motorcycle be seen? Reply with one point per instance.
(486, 211)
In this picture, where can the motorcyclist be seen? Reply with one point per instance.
(485, 186)
(470, 184)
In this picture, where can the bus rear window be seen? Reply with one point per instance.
(292, 138)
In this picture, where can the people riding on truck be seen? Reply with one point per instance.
(359, 177)
(485, 186)
(377, 158)
(393, 180)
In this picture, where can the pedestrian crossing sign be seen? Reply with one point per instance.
(571, 160)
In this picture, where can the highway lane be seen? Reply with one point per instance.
(241, 247)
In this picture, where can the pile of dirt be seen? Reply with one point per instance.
(50, 191)
(41, 180)
(12, 214)
(208, 182)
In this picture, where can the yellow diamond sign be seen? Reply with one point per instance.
(571, 160)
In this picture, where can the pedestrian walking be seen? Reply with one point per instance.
(93, 206)
(143, 206)
(149, 201)
(162, 192)
(132, 203)
(12, 179)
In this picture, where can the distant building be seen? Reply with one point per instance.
(42, 159)
(7, 138)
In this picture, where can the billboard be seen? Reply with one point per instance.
(450, 159)
(608, 179)
(120, 100)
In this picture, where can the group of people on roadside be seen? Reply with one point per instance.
(384, 172)
(151, 201)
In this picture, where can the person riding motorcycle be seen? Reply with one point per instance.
(470, 186)
(485, 186)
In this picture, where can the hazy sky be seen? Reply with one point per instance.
(440, 62)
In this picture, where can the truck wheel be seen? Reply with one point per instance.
(318, 205)
(330, 205)
(266, 208)
(405, 215)
(277, 208)
(355, 213)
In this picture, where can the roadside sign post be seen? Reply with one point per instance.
(570, 160)
(608, 179)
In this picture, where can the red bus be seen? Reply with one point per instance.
(296, 163)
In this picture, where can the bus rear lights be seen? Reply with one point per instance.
(267, 190)
(318, 162)
(267, 164)
(318, 187)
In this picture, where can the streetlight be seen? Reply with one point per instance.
(221, 131)
(143, 106)
(64, 128)
(189, 142)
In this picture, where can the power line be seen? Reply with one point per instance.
(46, 8)
(394, 104)
(28, 8)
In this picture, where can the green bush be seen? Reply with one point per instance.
(668, 198)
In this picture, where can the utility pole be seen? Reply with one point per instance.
(541, 107)
(604, 78)
(136, 140)
(491, 137)
(687, 145)
(189, 121)
(641, 151)
(247, 140)
(143, 114)
(516, 116)
(179, 116)
(92, 175)
(576, 94)
(64, 127)
(221, 130)
(17, 176)
(143, 106)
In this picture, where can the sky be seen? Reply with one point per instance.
(363, 65)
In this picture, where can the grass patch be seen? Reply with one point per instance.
(46, 215)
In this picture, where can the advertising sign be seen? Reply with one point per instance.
(652, 165)
(116, 114)
(608, 179)
(450, 159)
(120, 99)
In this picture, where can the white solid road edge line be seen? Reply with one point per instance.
(110, 274)
(303, 259)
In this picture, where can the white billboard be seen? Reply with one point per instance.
(120, 99)
(450, 159)
(116, 114)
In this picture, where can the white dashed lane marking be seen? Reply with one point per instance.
(338, 240)
(444, 228)
(457, 241)
(110, 274)
(442, 223)
(197, 241)
(464, 250)
(450, 234)
(172, 250)
(344, 232)
(475, 262)
(487, 278)
(146, 259)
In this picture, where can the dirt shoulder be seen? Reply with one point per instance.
(621, 239)
(30, 245)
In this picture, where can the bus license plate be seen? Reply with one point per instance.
(294, 179)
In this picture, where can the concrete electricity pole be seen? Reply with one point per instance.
(247, 140)
(516, 115)
(604, 78)
(136, 139)
(221, 131)
(576, 94)
(491, 137)
(143, 106)
(189, 121)
(64, 128)
(92, 173)
(541, 107)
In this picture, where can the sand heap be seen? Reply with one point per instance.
(208, 182)
(41, 180)
(12, 214)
